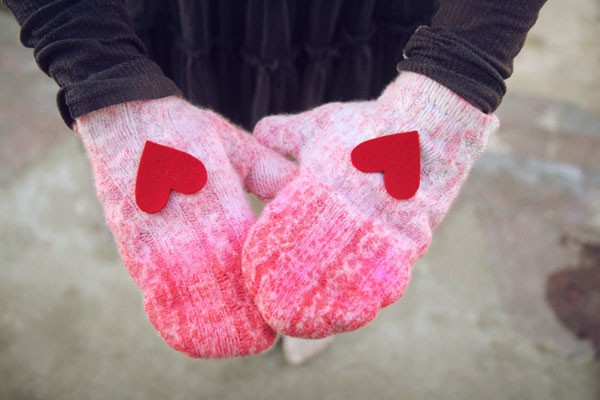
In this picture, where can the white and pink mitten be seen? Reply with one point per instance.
(171, 177)
(338, 243)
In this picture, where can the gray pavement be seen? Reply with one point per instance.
(504, 306)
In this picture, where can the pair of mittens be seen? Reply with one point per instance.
(337, 243)
(334, 247)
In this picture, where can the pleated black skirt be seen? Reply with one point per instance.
(249, 58)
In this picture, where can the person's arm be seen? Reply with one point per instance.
(90, 49)
(470, 46)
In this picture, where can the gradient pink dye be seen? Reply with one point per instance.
(186, 258)
(334, 247)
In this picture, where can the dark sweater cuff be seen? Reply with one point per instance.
(91, 50)
(471, 45)
(456, 64)
(114, 86)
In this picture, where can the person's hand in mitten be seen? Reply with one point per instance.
(338, 243)
(171, 177)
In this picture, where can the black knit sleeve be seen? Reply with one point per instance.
(470, 46)
(90, 49)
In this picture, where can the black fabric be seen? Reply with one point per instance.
(471, 45)
(249, 58)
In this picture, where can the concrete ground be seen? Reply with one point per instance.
(506, 305)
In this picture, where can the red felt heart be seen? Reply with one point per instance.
(163, 169)
(398, 156)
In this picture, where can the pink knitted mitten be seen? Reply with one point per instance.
(335, 247)
(185, 257)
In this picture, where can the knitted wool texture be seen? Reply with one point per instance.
(334, 247)
(186, 258)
